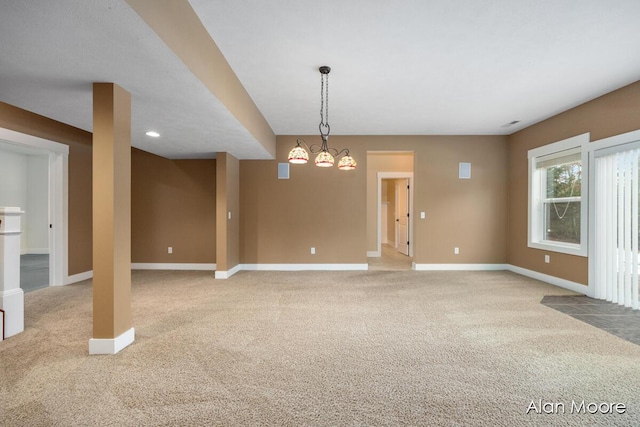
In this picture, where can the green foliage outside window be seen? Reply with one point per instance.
(562, 217)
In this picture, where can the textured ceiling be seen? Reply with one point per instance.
(425, 67)
(403, 67)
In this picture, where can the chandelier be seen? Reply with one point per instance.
(325, 155)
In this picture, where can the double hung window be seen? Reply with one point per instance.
(557, 209)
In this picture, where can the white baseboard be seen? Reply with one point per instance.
(79, 277)
(38, 251)
(373, 254)
(305, 267)
(111, 345)
(459, 267)
(562, 283)
(172, 266)
(228, 273)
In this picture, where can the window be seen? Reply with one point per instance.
(557, 197)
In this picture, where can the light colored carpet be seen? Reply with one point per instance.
(317, 348)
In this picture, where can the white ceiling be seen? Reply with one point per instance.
(402, 67)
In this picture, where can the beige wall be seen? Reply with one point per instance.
(381, 162)
(172, 204)
(327, 208)
(612, 114)
(80, 177)
(317, 207)
(389, 197)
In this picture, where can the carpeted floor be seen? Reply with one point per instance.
(318, 349)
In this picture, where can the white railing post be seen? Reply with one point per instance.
(11, 296)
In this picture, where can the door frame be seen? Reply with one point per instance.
(394, 175)
(58, 199)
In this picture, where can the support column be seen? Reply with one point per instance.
(227, 216)
(112, 329)
(11, 296)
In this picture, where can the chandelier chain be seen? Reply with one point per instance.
(321, 99)
(324, 104)
(327, 101)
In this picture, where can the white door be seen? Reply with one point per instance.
(402, 212)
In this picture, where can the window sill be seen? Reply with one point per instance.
(578, 250)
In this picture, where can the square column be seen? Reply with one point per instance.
(11, 296)
(112, 329)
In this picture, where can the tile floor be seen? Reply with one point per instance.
(616, 319)
(34, 272)
(391, 259)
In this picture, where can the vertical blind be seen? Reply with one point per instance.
(616, 219)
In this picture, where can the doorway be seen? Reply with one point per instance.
(394, 222)
(44, 243)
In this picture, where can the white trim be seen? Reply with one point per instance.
(58, 199)
(228, 273)
(459, 267)
(172, 266)
(305, 267)
(79, 277)
(374, 254)
(556, 281)
(394, 175)
(612, 141)
(12, 302)
(534, 225)
(111, 345)
(38, 251)
(18, 138)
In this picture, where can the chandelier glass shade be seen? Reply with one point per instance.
(298, 155)
(325, 155)
(347, 163)
(324, 159)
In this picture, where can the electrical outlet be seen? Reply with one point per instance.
(547, 259)
(456, 251)
(313, 251)
(422, 215)
(170, 250)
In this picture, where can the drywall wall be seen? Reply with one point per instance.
(37, 208)
(80, 193)
(390, 199)
(327, 208)
(24, 182)
(611, 114)
(13, 187)
(172, 205)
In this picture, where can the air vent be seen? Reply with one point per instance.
(510, 124)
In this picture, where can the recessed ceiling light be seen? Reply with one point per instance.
(153, 134)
